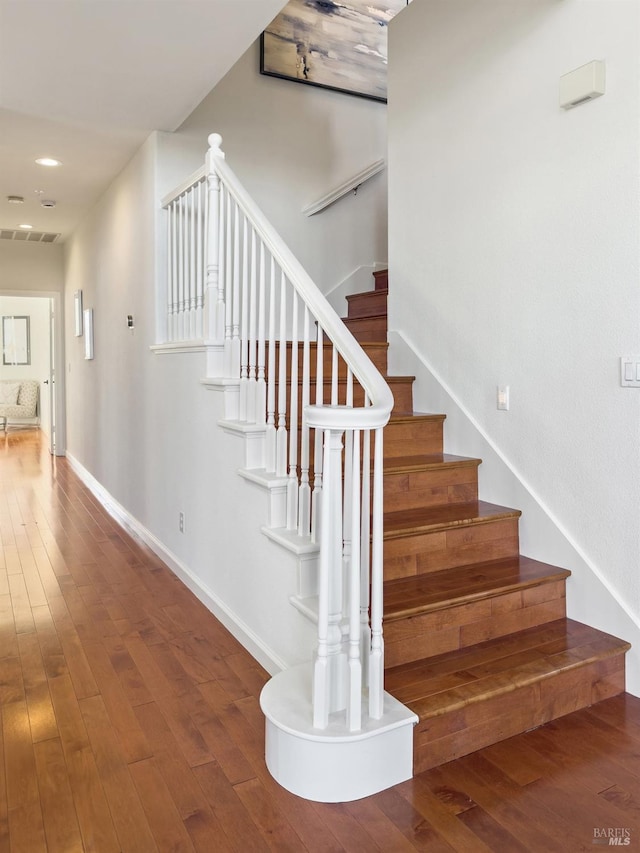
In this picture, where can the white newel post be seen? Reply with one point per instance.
(214, 293)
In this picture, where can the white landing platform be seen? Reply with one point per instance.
(332, 765)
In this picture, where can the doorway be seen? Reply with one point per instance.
(38, 317)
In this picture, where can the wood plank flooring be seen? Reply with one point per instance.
(130, 718)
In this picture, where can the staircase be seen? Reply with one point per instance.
(477, 643)
(384, 526)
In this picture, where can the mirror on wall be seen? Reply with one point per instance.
(16, 341)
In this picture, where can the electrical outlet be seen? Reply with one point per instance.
(503, 398)
(181, 522)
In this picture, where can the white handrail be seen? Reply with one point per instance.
(359, 362)
(345, 187)
(191, 181)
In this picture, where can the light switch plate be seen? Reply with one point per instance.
(630, 371)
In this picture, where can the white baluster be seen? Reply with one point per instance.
(192, 263)
(304, 497)
(244, 340)
(348, 477)
(281, 443)
(185, 260)
(199, 331)
(181, 252)
(354, 704)
(365, 552)
(170, 276)
(215, 283)
(205, 231)
(376, 660)
(261, 387)
(270, 437)
(176, 262)
(334, 376)
(235, 317)
(222, 278)
(292, 483)
(316, 506)
(228, 289)
(321, 697)
(329, 691)
(253, 311)
(349, 485)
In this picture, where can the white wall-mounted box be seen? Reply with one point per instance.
(582, 85)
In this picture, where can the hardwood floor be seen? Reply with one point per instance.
(130, 718)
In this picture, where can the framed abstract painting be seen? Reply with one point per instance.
(339, 46)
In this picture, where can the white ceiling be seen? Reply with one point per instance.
(86, 81)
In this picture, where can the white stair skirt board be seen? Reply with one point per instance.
(331, 766)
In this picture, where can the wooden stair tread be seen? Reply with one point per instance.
(446, 683)
(381, 279)
(371, 303)
(427, 519)
(400, 417)
(327, 349)
(371, 328)
(368, 293)
(382, 316)
(327, 380)
(426, 461)
(405, 597)
(327, 345)
(313, 345)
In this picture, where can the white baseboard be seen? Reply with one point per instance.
(265, 656)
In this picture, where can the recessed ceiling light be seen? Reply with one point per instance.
(48, 161)
(15, 199)
(25, 226)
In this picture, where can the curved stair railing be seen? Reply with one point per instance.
(303, 378)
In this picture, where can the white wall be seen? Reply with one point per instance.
(31, 266)
(290, 144)
(37, 309)
(145, 429)
(514, 253)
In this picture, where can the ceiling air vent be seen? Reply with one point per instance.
(28, 236)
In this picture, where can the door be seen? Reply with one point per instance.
(49, 396)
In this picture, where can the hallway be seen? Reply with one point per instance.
(130, 717)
